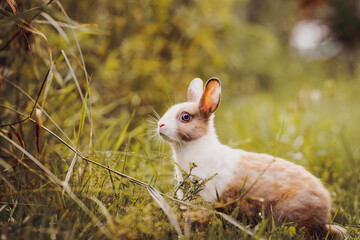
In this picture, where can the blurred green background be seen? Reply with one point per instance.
(140, 56)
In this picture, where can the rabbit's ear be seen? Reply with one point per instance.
(210, 98)
(195, 90)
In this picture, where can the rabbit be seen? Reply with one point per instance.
(272, 185)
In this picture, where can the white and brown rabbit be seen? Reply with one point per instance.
(287, 190)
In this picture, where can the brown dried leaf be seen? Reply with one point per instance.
(30, 28)
(20, 140)
(13, 6)
(15, 10)
(3, 130)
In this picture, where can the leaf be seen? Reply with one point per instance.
(236, 224)
(74, 76)
(292, 231)
(19, 16)
(30, 28)
(85, 72)
(187, 230)
(68, 174)
(82, 118)
(19, 138)
(56, 25)
(123, 133)
(104, 211)
(88, 112)
(14, 8)
(166, 208)
(106, 132)
(4, 179)
(6, 166)
(48, 82)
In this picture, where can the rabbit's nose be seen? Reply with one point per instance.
(161, 125)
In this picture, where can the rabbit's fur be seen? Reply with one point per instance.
(272, 185)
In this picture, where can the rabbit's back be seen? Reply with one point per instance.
(288, 191)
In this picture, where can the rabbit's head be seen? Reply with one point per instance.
(191, 120)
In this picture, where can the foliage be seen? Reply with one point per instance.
(191, 185)
(94, 77)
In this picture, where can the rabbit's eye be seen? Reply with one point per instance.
(185, 117)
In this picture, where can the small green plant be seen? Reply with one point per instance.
(191, 185)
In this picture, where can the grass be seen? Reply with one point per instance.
(94, 170)
(130, 212)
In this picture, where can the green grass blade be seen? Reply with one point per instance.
(19, 16)
(166, 208)
(74, 76)
(78, 86)
(82, 121)
(237, 224)
(57, 26)
(106, 132)
(85, 72)
(103, 210)
(48, 82)
(57, 181)
(123, 134)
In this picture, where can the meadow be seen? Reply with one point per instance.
(82, 84)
